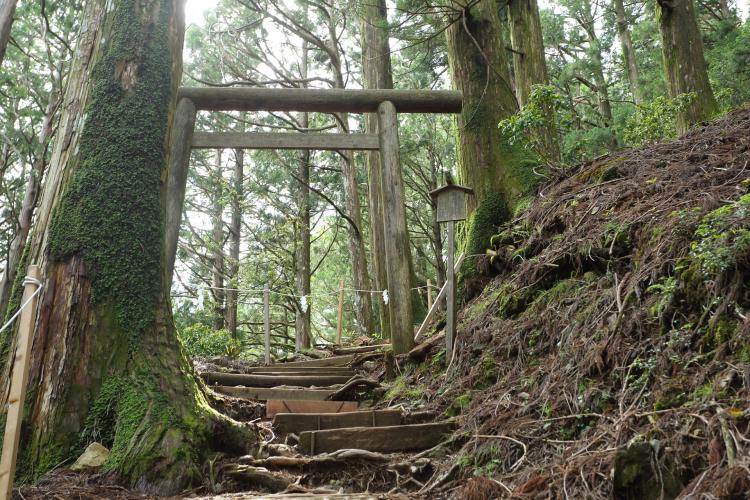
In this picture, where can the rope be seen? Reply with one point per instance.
(28, 280)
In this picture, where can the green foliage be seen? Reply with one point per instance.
(722, 238)
(655, 120)
(202, 340)
(523, 127)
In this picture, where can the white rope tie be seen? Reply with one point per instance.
(28, 280)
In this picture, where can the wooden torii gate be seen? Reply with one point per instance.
(386, 103)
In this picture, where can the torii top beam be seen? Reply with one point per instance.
(321, 100)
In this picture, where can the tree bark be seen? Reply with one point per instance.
(302, 312)
(106, 363)
(628, 52)
(217, 244)
(684, 64)
(360, 275)
(7, 11)
(28, 206)
(235, 240)
(376, 74)
(498, 172)
(530, 65)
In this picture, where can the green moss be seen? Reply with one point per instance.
(602, 172)
(488, 373)
(722, 238)
(481, 226)
(459, 405)
(110, 215)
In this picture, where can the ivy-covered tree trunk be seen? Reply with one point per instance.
(106, 364)
(376, 74)
(684, 64)
(7, 11)
(499, 173)
(628, 51)
(530, 66)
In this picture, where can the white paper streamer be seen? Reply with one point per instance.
(385, 297)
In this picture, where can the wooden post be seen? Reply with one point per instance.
(450, 295)
(20, 378)
(436, 303)
(340, 324)
(397, 250)
(429, 295)
(180, 146)
(267, 323)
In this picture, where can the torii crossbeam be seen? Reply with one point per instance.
(386, 103)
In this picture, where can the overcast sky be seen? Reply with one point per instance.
(195, 8)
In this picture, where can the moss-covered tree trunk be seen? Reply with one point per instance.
(498, 172)
(376, 74)
(684, 64)
(106, 363)
(530, 66)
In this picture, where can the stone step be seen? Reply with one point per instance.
(276, 407)
(278, 393)
(382, 439)
(253, 380)
(297, 422)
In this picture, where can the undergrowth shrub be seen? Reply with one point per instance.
(202, 340)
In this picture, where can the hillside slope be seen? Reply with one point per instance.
(609, 350)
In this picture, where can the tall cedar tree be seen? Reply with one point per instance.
(529, 64)
(376, 74)
(106, 362)
(499, 173)
(684, 64)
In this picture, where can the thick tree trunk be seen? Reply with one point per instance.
(498, 172)
(106, 362)
(530, 65)
(684, 64)
(235, 239)
(28, 206)
(628, 52)
(376, 74)
(217, 243)
(7, 11)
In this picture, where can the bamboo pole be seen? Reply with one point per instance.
(267, 323)
(429, 295)
(18, 384)
(340, 323)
